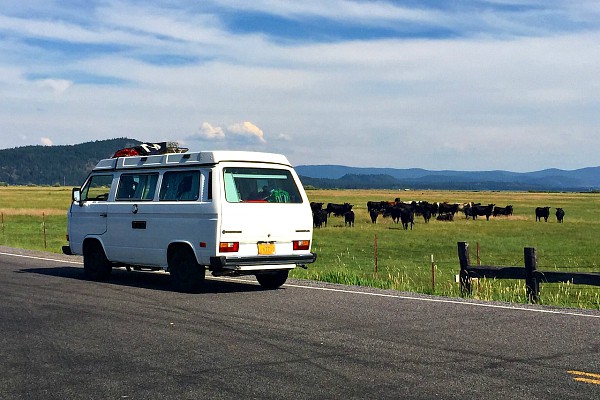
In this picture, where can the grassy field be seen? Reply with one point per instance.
(347, 254)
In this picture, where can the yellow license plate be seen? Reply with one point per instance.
(266, 248)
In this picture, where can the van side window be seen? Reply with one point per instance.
(180, 186)
(136, 187)
(97, 188)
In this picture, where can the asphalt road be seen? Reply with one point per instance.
(63, 337)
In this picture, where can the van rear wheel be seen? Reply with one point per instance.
(272, 279)
(186, 275)
(95, 264)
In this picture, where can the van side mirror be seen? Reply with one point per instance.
(76, 196)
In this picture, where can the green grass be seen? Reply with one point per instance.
(27, 232)
(347, 256)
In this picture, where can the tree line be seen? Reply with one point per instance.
(56, 165)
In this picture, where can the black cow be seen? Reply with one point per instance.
(379, 206)
(445, 217)
(482, 210)
(338, 209)
(373, 214)
(542, 212)
(426, 215)
(423, 208)
(395, 211)
(315, 206)
(349, 218)
(403, 212)
(560, 215)
(468, 209)
(407, 216)
(319, 218)
(447, 208)
(508, 210)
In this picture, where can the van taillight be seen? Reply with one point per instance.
(229, 247)
(301, 244)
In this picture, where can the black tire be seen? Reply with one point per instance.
(95, 264)
(272, 279)
(186, 275)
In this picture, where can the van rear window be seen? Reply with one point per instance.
(260, 185)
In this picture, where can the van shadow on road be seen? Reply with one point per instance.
(145, 280)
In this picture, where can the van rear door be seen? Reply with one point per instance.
(264, 210)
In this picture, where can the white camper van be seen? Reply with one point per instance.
(231, 212)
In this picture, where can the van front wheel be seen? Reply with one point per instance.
(95, 264)
(272, 280)
(186, 275)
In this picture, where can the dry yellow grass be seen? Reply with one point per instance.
(35, 201)
(32, 211)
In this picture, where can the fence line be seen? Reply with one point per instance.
(532, 276)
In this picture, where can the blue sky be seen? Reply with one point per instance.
(461, 85)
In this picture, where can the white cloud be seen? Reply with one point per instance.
(237, 133)
(247, 130)
(46, 141)
(209, 132)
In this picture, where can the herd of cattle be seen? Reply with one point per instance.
(404, 212)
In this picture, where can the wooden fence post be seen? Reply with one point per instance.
(44, 229)
(375, 255)
(432, 275)
(532, 284)
(463, 257)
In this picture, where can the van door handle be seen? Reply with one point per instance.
(138, 224)
(104, 214)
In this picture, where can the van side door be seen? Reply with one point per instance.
(130, 217)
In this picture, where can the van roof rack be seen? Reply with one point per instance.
(147, 149)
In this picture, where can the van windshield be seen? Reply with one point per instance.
(260, 185)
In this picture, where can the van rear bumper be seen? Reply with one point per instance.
(229, 262)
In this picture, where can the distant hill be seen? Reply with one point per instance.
(339, 176)
(48, 165)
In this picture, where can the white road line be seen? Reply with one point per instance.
(394, 296)
(40, 258)
(438, 300)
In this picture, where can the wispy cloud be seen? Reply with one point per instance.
(58, 86)
(463, 85)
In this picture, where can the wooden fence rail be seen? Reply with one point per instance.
(530, 273)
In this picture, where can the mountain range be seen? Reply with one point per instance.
(339, 176)
(70, 164)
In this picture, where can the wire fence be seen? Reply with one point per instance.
(401, 266)
(39, 232)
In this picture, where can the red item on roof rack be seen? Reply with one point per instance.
(126, 152)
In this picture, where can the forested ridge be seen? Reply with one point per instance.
(70, 164)
(56, 165)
